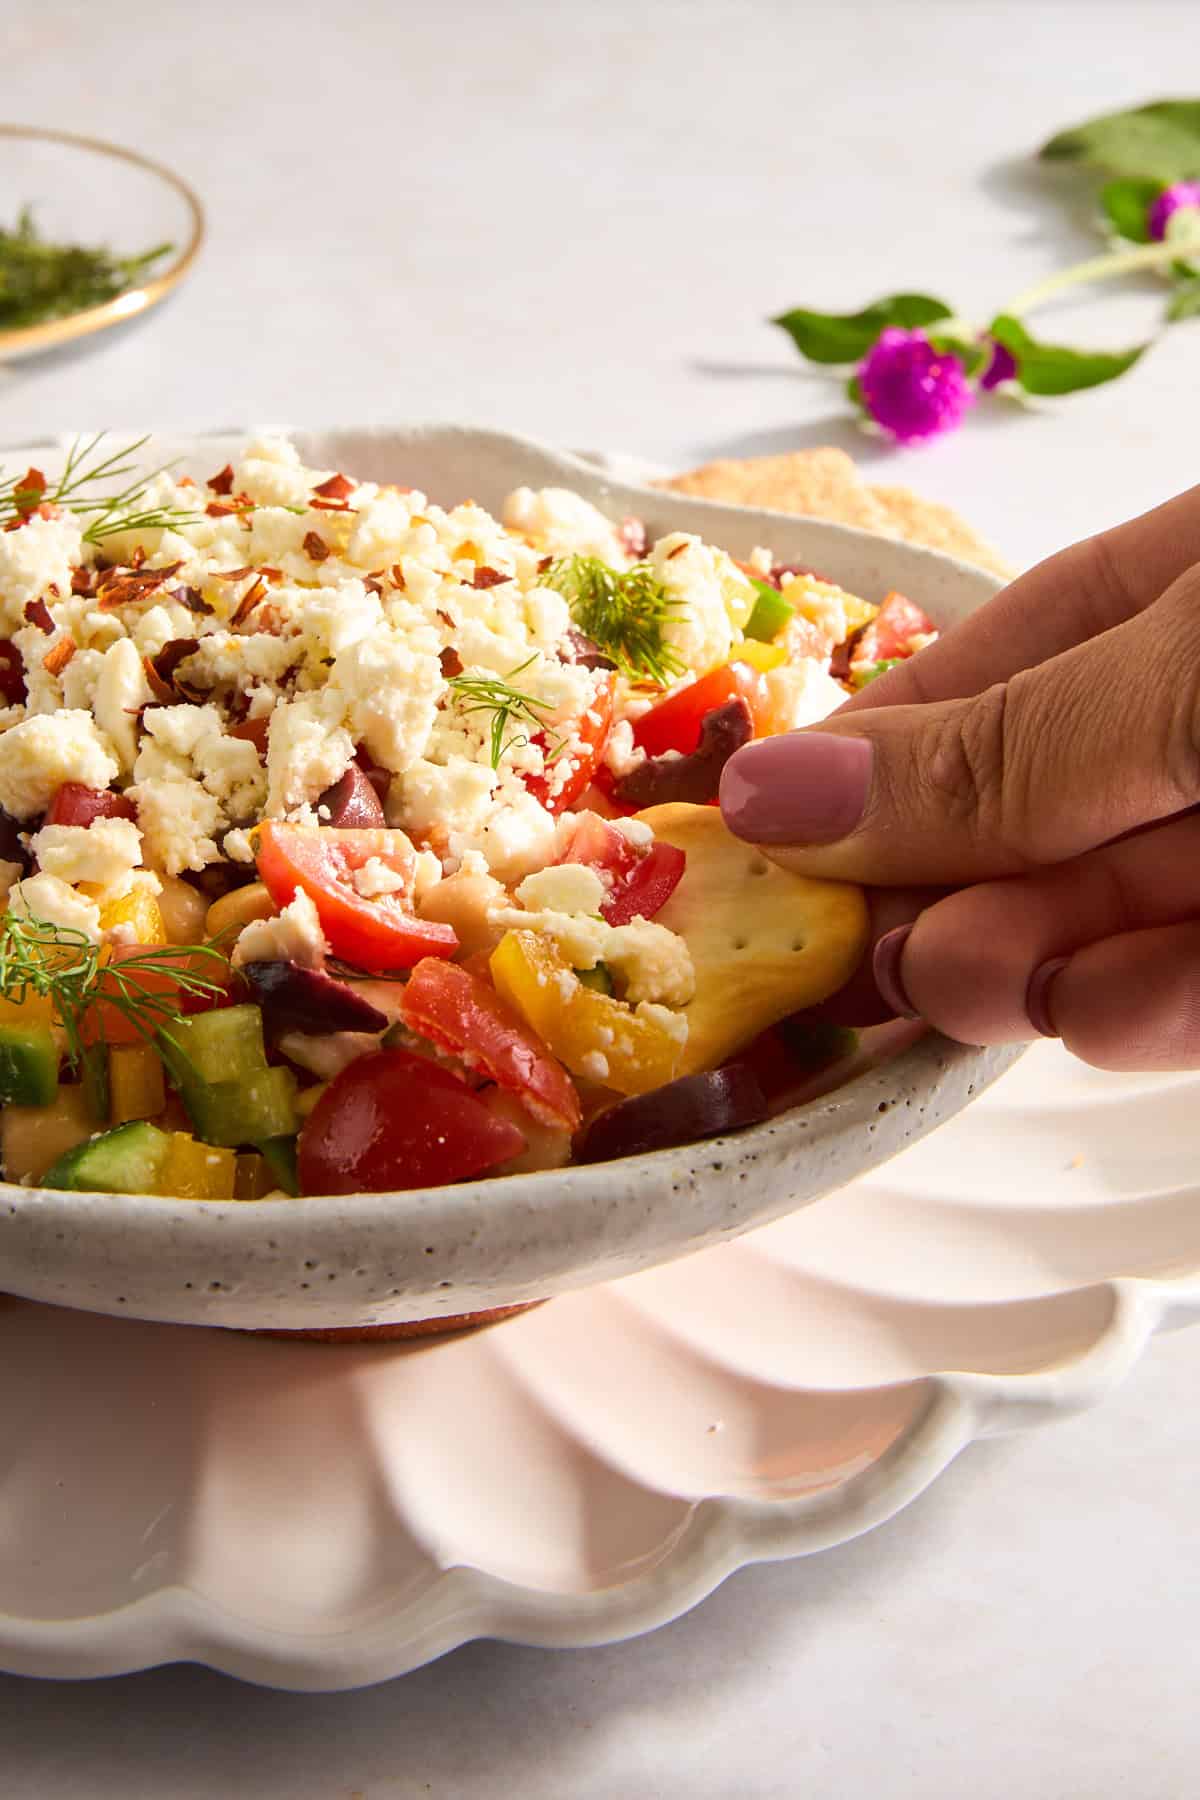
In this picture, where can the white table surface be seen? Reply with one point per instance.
(574, 222)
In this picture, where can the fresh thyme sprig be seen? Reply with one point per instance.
(624, 612)
(37, 957)
(496, 694)
(107, 512)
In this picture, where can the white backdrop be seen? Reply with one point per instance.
(574, 222)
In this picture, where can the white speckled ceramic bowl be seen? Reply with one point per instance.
(372, 1259)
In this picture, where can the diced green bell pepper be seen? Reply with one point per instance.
(771, 613)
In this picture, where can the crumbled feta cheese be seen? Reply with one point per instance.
(803, 692)
(120, 693)
(375, 878)
(178, 819)
(673, 1023)
(105, 852)
(594, 1065)
(563, 524)
(34, 559)
(295, 935)
(564, 888)
(698, 628)
(307, 751)
(635, 831)
(42, 752)
(237, 846)
(51, 902)
(393, 695)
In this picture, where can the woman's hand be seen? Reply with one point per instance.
(1021, 795)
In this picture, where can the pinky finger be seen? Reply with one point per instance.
(1125, 1002)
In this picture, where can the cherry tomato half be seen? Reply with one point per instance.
(75, 804)
(640, 878)
(590, 735)
(104, 1021)
(393, 1120)
(371, 934)
(459, 1012)
(674, 723)
(892, 630)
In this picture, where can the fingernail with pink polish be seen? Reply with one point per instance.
(885, 967)
(1038, 996)
(808, 787)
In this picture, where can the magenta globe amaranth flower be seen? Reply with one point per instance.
(910, 389)
(1002, 366)
(1173, 199)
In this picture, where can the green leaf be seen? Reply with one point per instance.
(1125, 205)
(846, 337)
(1185, 301)
(1157, 142)
(1054, 369)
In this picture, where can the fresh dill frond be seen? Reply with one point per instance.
(65, 966)
(624, 612)
(41, 280)
(106, 513)
(496, 694)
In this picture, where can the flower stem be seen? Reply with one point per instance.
(1101, 268)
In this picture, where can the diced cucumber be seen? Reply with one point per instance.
(598, 979)
(260, 1105)
(279, 1154)
(28, 1065)
(868, 672)
(126, 1160)
(224, 1045)
(771, 613)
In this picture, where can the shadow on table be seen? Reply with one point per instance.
(520, 1718)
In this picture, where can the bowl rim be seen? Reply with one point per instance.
(26, 340)
(572, 1208)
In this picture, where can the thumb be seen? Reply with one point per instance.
(1059, 759)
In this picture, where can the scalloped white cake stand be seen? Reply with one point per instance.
(318, 1516)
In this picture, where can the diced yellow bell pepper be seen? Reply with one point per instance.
(139, 911)
(34, 1137)
(34, 1009)
(759, 655)
(579, 1024)
(195, 1171)
(135, 1079)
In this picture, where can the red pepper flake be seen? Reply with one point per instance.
(254, 593)
(486, 578)
(184, 481)
(168, 660)
(373, 584)
(272, 574)
(338, 487)
(234, 574)
(59, 655)
(254, 731)
(83, 580)
(451, 661)
(315, 547)
(193, 599)
(677, 551)
(398, 577)
(162, 690)
(38, 613)
(222, 481)
(123, 588)
(544, 563)
(337, 506)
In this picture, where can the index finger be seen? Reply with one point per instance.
(1072, 596)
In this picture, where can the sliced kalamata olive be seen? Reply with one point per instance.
(684, 1112)
(839, 662)
(12, 673)
(11, 848)
(379, 777)
(298, 999)
(695, 778)
(353, 802)
(583, 651)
